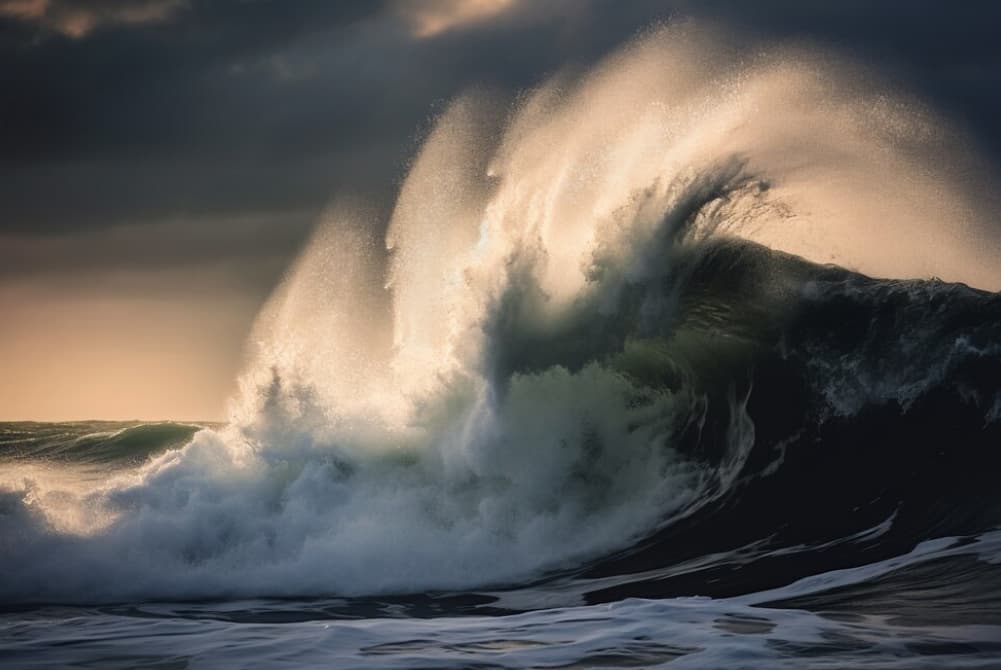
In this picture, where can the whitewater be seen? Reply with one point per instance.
(615, 385)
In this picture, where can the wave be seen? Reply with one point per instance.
(587, 354)
(92, 442)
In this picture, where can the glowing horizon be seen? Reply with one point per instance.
(115, 357)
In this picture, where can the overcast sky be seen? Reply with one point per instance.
(161, 161)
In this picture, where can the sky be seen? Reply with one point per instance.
(163, 161)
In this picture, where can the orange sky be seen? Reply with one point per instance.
(67, 355)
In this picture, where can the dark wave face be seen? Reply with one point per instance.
(586, 411)
(874, 406)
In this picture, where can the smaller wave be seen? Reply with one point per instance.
(95, 443)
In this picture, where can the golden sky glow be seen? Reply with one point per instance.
(67, 356)
(430, 18)
(76, 20)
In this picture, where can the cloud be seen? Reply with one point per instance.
(77, 18)
(428, 18)
(213, 117)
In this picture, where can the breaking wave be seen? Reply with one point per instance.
(596, 345)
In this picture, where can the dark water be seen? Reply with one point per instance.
(858, 526)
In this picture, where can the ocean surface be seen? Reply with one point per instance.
(617, 384)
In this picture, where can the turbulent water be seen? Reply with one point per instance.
(619, 390)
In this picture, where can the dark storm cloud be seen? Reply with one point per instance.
(198, 114)
(241, 105)
(212, 111)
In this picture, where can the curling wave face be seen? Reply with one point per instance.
(585, 353)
